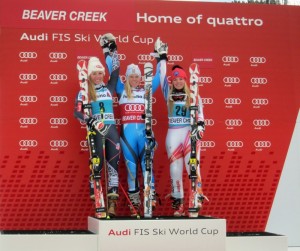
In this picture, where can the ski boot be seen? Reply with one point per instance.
(178, 207)
(112, 205)
(200, 200)
(153, 195)
(136, 204)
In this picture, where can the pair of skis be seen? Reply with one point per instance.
(150, 142)
(194, 162)
(100, 210)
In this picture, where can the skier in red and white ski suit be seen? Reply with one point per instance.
(178, 139)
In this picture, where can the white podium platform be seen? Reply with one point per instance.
(167, 234)
(256, 242)
(160, 234)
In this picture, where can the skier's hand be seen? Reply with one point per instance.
(108, 42)
(161, 48)
(98, 125)
(197, 132)
(91, 123)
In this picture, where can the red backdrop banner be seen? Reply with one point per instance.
(249, 58)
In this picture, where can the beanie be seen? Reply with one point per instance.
(133, 69)
(95, 65)
(178, 73)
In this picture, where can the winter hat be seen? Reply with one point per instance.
(133, 69)
(178, 73)
(95, 65)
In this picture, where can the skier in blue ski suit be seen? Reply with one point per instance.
(133, 139)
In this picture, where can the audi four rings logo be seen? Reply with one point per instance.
(207, 143)
(28, 99)
(121, 56)
(58, 143)
(58, 77)
(205, 80)
(58, 55)
(28, 143)
(230, 59)
(231, 80)
(134, 107)
(58, 99)
(265, 144)
(58, 121)
(209, 122)
(207, 101)
(27, 54)
(27, 76)
(260, 101)
(83, 143)
(232, 101)
(261, 122)
(28, 121)
(176, 58)
(145, 57)
(259, 81)
(233, 122)
(257, 60)
(234, 144)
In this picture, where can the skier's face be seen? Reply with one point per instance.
(134, 80)
(97, 77)
(178, 83)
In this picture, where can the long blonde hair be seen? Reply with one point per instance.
(186, 90)
(128, 89)
(91, 89)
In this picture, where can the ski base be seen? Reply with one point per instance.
(148, 72)
(147, 204)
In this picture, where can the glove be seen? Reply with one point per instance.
(108, 42)
(161, 48)
(197, 132)
(95, 124)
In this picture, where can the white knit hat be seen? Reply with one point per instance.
(95, 65)
(133, 69)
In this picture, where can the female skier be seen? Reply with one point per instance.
(133, 138)
(178, 139)
(102, 120)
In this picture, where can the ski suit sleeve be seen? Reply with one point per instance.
(120, 84)
(78, 109)
(113, 66)
(156, 79)
(119, 87)
(163, 78)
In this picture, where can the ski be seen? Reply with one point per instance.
(193, 162)
(148, 194)
(94, 162)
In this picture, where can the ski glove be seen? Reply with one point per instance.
(95, 124)
(108, 42)
(197, 132)
(161, 48)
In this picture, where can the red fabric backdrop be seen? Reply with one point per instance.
(249, 60)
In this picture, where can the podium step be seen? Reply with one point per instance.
(160, 234)
(157, 234)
